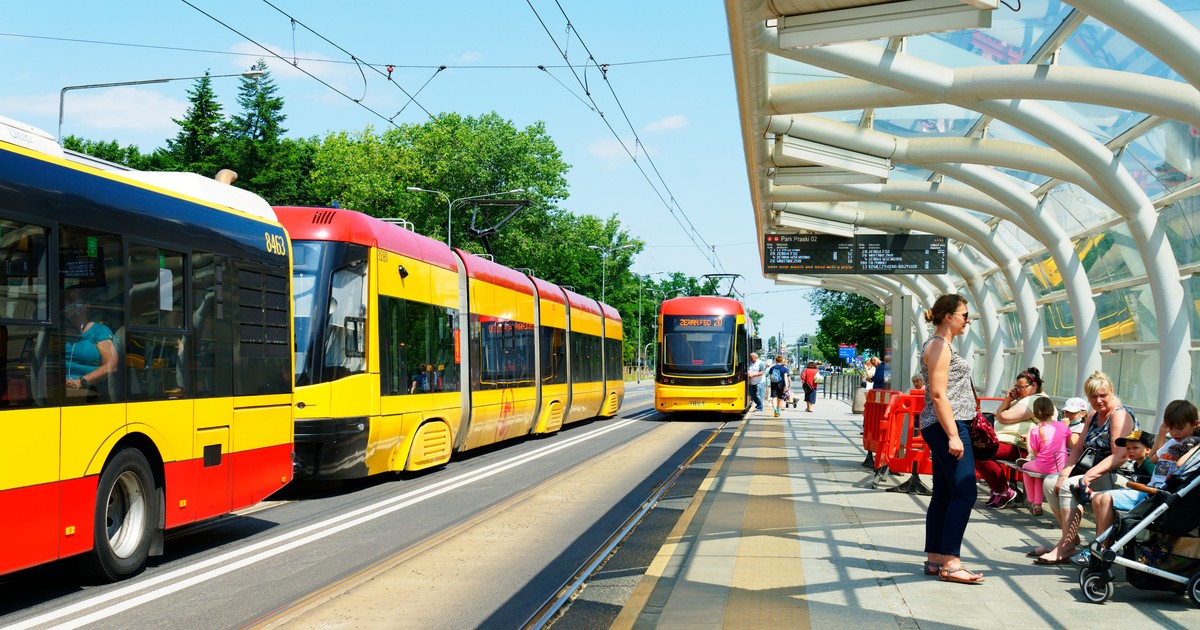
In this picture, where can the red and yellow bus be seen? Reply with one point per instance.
(703, 351)
(408, 352)
(145, 355)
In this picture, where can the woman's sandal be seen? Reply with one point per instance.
(948, 575)
(1038, 551)
(932, 568)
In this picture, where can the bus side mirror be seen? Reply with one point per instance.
(758, 344)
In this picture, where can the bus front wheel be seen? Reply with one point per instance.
(124, 521)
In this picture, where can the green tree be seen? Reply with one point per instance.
(845, 318)
(110, 151)
(254, 134)
(199, 146)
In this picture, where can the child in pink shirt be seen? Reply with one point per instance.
(1047, 449)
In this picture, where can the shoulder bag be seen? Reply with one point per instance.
(984, 442)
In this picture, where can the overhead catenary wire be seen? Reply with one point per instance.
(681, 216)
(281, 58)
(417, 66)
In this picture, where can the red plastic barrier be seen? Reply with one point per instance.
(905, 449)
(874, 423)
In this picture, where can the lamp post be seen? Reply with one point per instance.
(63, 92)
(450, 203)
(605, 252)
(641, 282)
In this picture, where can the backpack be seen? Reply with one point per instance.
(776, 375)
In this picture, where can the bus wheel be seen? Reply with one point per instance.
(125, 516)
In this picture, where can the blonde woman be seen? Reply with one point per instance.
(1109, 421)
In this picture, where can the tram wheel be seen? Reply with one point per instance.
(126, 505)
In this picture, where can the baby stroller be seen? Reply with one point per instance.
(1168, 558)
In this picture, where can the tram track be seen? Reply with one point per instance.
(282, 615)
(548, 613)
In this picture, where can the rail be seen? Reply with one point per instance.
(546, 614)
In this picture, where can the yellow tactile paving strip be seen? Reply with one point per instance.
(733, 560)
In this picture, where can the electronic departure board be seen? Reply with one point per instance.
(807, 253)
(900, 253)
(864, 253)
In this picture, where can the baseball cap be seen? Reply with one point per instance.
(1074, 404)
(1137, 436)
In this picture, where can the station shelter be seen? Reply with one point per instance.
(1044, 153)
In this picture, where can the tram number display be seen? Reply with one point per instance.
(900, 253)
(699, 323)
(807, 253)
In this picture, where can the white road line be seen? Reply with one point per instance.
(225, 562)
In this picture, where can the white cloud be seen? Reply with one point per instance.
(470, 57)
(669, 123)
(121, 109)
(611, 153)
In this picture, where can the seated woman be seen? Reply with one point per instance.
(1014, 418)
(91, 356)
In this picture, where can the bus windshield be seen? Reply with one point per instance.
(329, 280)
(698, 345)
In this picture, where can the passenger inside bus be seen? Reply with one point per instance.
(91, 356)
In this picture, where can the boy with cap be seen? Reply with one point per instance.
(1105, 504)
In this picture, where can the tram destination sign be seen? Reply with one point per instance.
(900, 253)
(807, 253)
(863, 253)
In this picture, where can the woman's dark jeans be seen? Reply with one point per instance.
(954, 491)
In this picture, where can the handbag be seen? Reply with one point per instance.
(1085, 463)
(984, 442)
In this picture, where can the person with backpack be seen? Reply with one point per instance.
(781, 381)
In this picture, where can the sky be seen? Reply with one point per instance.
(668, 65)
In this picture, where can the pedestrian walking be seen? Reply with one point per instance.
(755, 377)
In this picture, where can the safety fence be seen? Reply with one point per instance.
(892, 438)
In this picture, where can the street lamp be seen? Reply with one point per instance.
(641, 282)
(605, 252)
(63, 92)
(450, 203)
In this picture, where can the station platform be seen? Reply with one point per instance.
(788, 532)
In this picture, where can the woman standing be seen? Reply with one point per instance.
(1098, 452)
(1013, 421)
(949, 409)
(809, 379)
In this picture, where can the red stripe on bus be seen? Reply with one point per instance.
(196, 492)
(33, 532)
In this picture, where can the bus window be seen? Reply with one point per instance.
(211, 328)
(262, 331)
(24, 311)
(330, 288)
(417, 355)
(93, 318)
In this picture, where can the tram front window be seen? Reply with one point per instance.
(698, 345)
(329, 283)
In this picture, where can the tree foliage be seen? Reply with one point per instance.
(459, 156)
(845, 318)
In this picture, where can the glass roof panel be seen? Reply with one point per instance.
(1181, 222)
(1075, 209)
(1003, 131)
(1014, 36)
(1103, 123)
(1046, 275)
(1033, 179)
(1096, 45)
(925, 121)
(1164, 159)
(1109, 255)
(1017, 239)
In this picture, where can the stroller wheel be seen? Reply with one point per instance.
(1096, 588)
(1085, 571)
(1193, 589)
